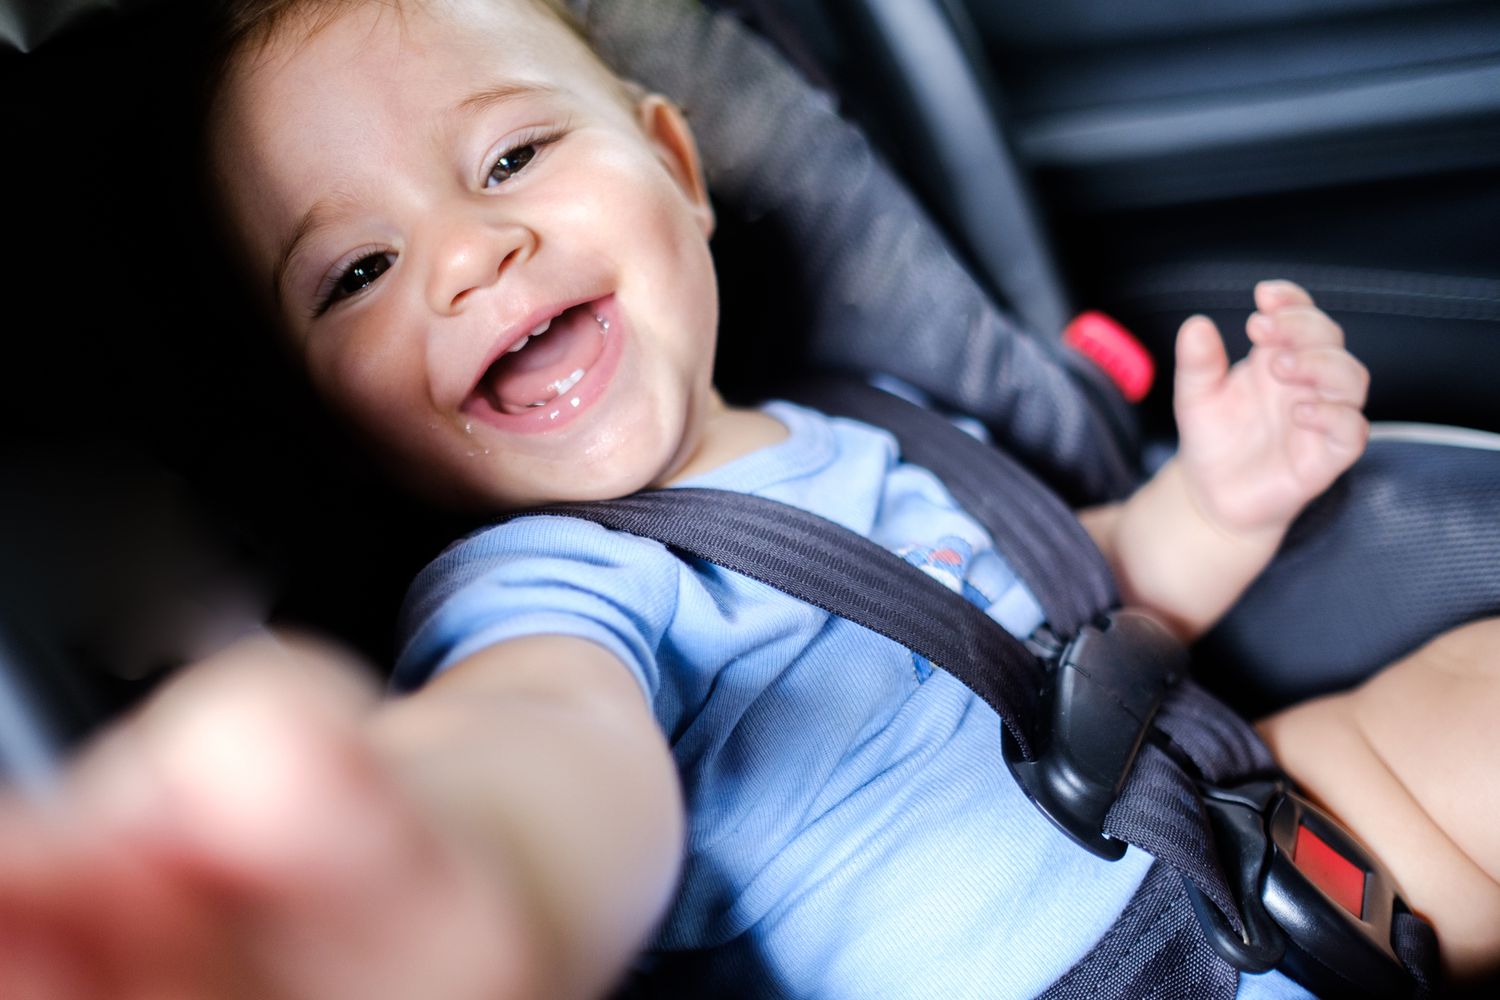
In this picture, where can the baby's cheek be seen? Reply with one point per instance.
(356, 363)
(686, 271)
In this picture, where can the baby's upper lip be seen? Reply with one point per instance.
(516, 332)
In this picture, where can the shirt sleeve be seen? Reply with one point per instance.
(540, 576)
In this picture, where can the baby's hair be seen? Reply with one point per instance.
(244, 24)
(241, 27)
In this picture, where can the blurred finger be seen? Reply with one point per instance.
(36, 965)
(280, 807)
(1296, 327)
(1278, 293)
(88, 917)
(1202, 361)
(220, 761)
(1344, 427)
(1337, 375)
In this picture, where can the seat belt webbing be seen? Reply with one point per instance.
(830, 567)
(1037, 533)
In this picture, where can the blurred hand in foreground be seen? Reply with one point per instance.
(241, 837)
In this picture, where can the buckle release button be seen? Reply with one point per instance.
(1340, 879)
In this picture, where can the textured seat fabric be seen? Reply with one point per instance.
(1404, 546)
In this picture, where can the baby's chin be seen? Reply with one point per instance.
(620, 457)
(495, 491)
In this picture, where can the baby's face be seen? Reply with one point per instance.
(419, 191)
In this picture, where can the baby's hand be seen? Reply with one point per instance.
(240, 838)
(1261, 439)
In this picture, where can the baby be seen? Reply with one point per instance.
(492, 256)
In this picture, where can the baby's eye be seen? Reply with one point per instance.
(510, 163)
(518, 157)
(355, 278)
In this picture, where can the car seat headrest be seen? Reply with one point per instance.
(824, 223)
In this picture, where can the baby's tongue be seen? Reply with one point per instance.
(548, 366)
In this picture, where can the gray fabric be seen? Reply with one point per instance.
(1161, 811)
(1222, 747)
(886, 293)
(1155, 950)
(1404, 546)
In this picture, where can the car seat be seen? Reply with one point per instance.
(863, 282)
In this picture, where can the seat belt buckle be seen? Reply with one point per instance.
(1101, 694)
(1315, 903)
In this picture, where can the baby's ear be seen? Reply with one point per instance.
(667, 131)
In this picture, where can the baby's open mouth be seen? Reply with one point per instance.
(547, 363)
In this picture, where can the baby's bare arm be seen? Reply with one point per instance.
(1172, 558)
(1166, 557)
(544, 752)
(267, 828)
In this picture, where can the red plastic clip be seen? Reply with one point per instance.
(1341, 879)
(1115, 350)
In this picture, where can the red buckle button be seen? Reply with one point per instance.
(1115, 350)
(1340, 879)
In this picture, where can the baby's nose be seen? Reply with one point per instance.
(470, 255)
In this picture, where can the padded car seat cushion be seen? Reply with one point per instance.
(1404, 546)
(883, 292)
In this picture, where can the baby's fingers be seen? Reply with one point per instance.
(1336, 374)
(1343, 427)
(1297, 327)
(83, 918)
(1201, 360)
(1279, 293)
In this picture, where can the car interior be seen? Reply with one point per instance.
(933, 189)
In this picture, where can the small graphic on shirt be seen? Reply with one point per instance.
(947, 562)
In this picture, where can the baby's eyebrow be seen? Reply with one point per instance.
(488, 97)
(311, 221)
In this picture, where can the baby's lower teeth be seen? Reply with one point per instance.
(559, 387)
(563, 385)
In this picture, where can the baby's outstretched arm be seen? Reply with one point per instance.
(1258, 441)
(266, 829)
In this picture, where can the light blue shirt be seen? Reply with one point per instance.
(853, 831)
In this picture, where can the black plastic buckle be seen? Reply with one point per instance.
(1102, 693)
(1315, 903)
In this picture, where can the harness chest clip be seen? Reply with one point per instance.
(1101, 695)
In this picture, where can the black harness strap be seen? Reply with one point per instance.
(845, 574)
(1039, 535)
(1155, 949)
